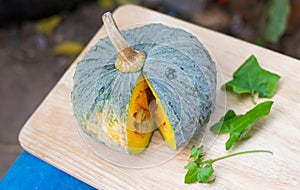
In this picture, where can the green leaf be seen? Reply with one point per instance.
(197, 153)
(202, 174)
(192, 175)
(190, 165)
(239, 125)
(251, 78)
(203, 170)
(278, 17)
(205, 173)
(244, 123)
(223, 125)
(107, 4)
(68, 48)
(124, 2)
(47, 26)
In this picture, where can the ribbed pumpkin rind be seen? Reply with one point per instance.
(178, 67)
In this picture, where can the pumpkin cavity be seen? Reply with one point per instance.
(146, 114)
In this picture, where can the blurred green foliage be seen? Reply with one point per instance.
(47, 26)
(279, 11)
(107, 4)
(68, 48)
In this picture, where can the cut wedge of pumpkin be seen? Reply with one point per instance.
(146, 113)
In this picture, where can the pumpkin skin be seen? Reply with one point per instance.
(178, 71)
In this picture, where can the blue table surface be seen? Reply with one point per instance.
(29, 172)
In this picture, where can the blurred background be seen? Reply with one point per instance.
(39, 39)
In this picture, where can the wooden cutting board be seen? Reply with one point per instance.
(51, 132)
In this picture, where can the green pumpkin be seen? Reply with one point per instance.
(164, 80)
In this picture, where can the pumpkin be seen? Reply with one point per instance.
(164, 80)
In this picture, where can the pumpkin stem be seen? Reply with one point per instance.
(128, 59)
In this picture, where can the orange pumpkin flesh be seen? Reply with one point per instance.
(145, 113)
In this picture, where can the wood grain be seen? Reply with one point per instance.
(51, 132)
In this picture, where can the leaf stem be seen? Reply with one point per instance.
(253, 97)
(238, 153)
